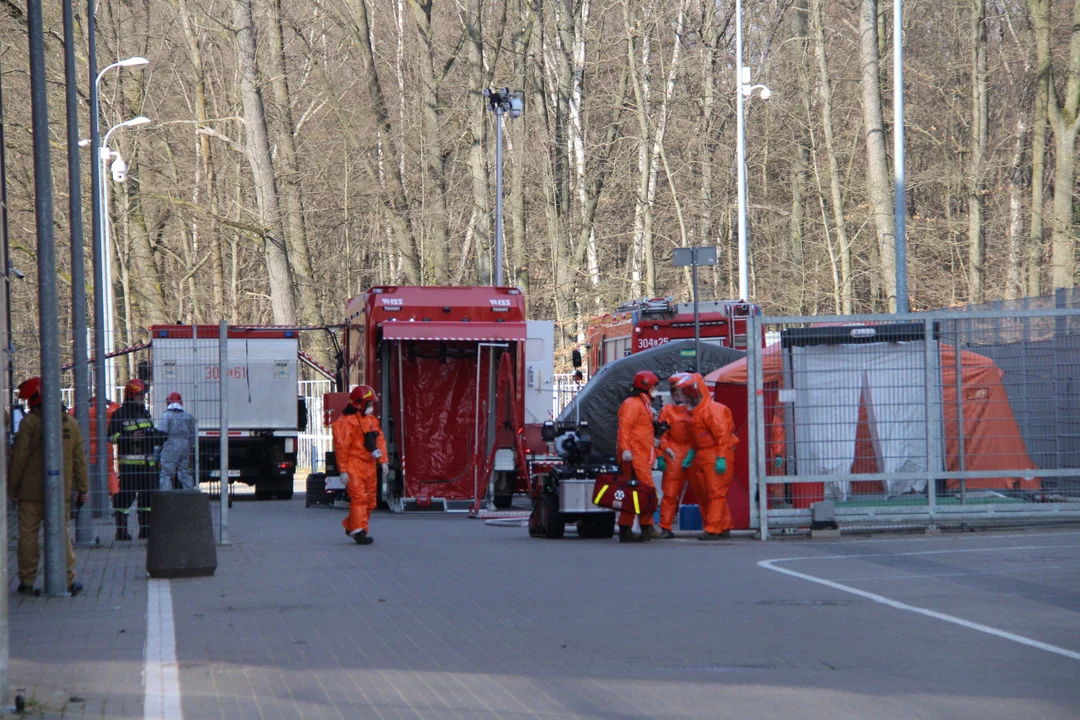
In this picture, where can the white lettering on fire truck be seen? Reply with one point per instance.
(392, 301)
(499, 303)
(644, 343)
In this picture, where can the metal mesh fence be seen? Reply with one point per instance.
(315, 440)
(947, 416)
(116, 513)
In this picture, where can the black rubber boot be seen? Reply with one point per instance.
(626, 534)
(362, 538)
(121, 527)
(667, 535)
(709, 537)
(75, 588)
(29, 590)
(144, 524)
(650, 532)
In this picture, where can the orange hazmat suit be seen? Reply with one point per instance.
(714, 439)
(110, 408)
(636, 435)
(674, 445)
(354, 458)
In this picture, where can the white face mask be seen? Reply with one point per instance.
(369, 410)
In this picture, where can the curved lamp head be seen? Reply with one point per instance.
(135, 121)
(136, 61)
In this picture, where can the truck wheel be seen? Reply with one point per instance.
(504, 501)
(263, 495)
(286, 495)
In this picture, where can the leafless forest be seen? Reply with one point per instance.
(303, 150)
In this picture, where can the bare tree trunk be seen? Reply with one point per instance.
(980, 139)
(477, 164)
(836, 193)
(711, 32)
(291, 186)
(258, 152)
(433, 151)
(394, 200)
(640, 78)
(1065, 121)
(800, 174)
(206, 157)
(878, 181)
(658, 144)
(145, 281)
(1040, 20)
(577, 136)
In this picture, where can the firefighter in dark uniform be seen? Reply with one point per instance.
(131, 430)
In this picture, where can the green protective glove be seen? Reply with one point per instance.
(778, 462)
(720, 466)
(689, 459)
(660, 464)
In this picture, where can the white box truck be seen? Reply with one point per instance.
(265, 414)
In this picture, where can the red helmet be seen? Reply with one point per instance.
(362, 395)
(134, 387)
(174, 397)
(30, 391)
(645, 381)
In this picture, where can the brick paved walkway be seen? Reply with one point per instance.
(445, 617)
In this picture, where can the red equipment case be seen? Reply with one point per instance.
(624, 493)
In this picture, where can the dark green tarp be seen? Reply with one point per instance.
(598, 402)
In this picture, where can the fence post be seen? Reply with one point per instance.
(756, 406)
(958, 381)
(223, 430)
(931, 464)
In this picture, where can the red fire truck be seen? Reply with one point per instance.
(448, 364)
(644, 324)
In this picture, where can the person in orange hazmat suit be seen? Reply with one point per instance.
(712, 459)
(360, 449)
(110, 409)
(634, 445)
(674, 445)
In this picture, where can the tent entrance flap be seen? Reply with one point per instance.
(444, 398)
(453, 331)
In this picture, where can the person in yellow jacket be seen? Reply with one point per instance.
(26, 485)
(360, 449)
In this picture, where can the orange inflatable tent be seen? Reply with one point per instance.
(992, 439)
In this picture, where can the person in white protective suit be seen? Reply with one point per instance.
(178, 427)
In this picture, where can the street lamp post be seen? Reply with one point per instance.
(118, 169)
(99, 498)
(743, 90)
(500, 102)
(103, 273)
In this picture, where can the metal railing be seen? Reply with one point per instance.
(935, 418)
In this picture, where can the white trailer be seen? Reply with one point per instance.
(265, 414)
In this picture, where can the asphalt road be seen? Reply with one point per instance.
(446, 617)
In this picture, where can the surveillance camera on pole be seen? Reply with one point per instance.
(500, 102)
(118, 169)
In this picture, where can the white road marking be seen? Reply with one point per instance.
(770, 565)
(1002, 535)
(162, 673)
